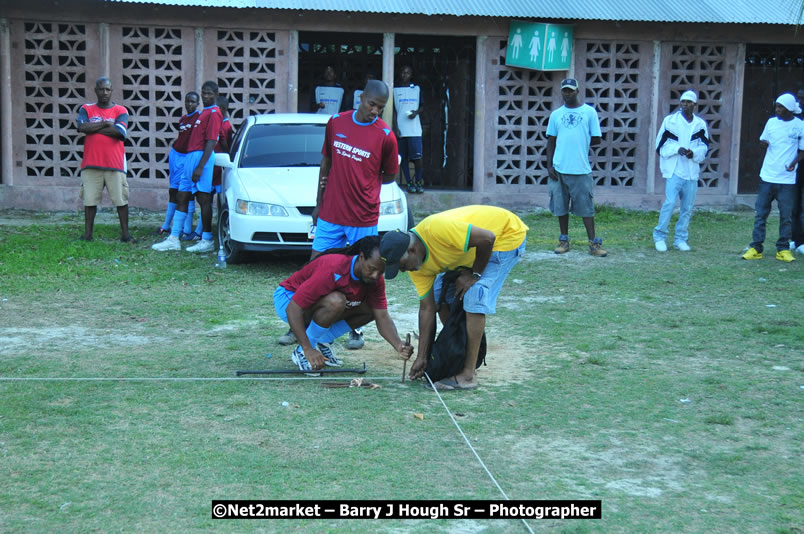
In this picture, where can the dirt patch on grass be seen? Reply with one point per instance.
(58, 339)
(625, 465)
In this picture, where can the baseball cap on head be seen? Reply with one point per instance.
(689, 95)
(570, 83)
(789, 102)
(393, 246)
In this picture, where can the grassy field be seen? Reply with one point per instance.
(669, 386)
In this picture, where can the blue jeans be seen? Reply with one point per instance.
(685, 191)
(784, 195)
(482, 296)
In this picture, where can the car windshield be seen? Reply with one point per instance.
(283, 145)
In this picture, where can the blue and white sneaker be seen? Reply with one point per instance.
(298, 357)
(192, 236)
(328, 351)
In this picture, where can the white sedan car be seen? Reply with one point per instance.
(269, 186)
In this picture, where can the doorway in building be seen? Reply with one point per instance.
(770, 70)
(352, 55)
(444, 68)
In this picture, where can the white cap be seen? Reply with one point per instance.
(689, 95)
(789, 102)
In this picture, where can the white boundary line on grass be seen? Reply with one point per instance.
(472, 448)
(254, 378)
(181, 379)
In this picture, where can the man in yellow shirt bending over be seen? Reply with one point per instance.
(485, 242)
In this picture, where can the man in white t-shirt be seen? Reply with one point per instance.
(682, 144)
(408, 106)
(571, 130)
(359, 91)
(784, 137)
(328, 96)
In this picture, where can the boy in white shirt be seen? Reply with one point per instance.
(784, 135)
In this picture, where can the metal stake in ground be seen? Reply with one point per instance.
(405, 362)
(299, 371)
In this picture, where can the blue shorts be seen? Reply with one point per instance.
(482, 296)
(190, 163)
(410, 148)
(176, 162)
(282, 298)
(329, 235)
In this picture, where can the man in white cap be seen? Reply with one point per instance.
(784, 136)
(571, 130)
(682, 144)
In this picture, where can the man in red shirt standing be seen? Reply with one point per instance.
(359, 155)
(105, 125)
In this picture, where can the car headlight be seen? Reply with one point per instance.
(391, 208)
(244, 207)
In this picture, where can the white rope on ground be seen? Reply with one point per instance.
(185, 379)
(472, 448)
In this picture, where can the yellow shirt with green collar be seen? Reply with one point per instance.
(446, 240)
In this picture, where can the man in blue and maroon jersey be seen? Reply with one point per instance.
(105, 125)
(359, 155)
(197, 177)
(178, 153)
(224, 143)
(337, 291)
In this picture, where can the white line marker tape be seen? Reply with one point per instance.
(472, 448)
(178, 379)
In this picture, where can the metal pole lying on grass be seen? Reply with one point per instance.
(299, 371)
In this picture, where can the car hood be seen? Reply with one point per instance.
(292, 186)
(287, 186)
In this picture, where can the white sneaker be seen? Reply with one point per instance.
(202, 246)
(288, 338)
(661, 246)
(171, 243)
(328, 351)
(800, 249)
(682, 246)
(298, 357)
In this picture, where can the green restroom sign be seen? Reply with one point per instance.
(539, 46)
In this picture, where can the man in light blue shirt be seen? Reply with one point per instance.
(571, 130)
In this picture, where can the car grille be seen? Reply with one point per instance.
(285, 237)
(305, 210)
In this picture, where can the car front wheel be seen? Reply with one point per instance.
(233, 249)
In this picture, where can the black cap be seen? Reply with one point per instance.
(572, 83)
(393, 246)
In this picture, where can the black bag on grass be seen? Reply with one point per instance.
(448, 352)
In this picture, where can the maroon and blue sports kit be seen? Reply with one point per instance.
(227, 133)
(360, 154)
(178, 151)
(334, 272)
(207, 127)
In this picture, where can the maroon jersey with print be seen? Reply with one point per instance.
(185, 129)
(227, 133)
(206, 128)
(334, 272)
(360, 154)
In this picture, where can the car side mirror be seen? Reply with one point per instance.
(222, 160)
